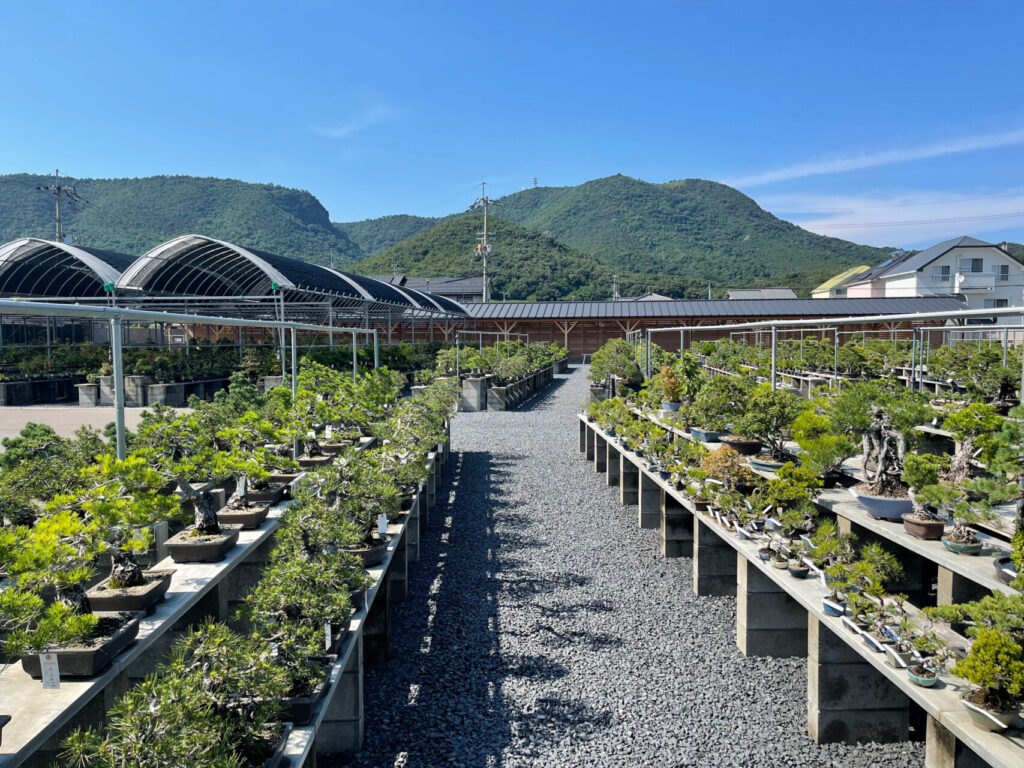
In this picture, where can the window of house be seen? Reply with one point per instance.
(840, 292)
(1002, 273)
(972, 265)
(995, 303)
(940, 274)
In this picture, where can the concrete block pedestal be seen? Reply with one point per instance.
(768, 621)
(676, 528)
(649, 502)
(714, 562)
(612, 464)
(848, 700)
(629, 481)
(600, 453)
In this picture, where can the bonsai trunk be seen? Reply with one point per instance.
(240, 498)
(124, 571)
(960, 465)
(311, 447)
(205, 519)
(74, 597)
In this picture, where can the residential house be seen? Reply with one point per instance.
(835, 287)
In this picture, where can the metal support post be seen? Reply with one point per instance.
(835, 358)
(458, 362)
(295, 363)
(330, 325)
(913, 359)
(355, 358)
(376, 350)
(116, 349)
(775, 349)
(49, 338)
(1006, 339)
(647, 357)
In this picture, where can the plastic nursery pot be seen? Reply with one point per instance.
(90, 661)
(987, 720)
(882, 508)
(186, 547)
(832, 607)
(962, 549)
(930, 530)
(1006, 570)
(922, 676)
(103, 597)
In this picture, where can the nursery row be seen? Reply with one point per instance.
(807, 582)
(216, 698)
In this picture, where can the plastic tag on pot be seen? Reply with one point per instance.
(50, 670)
(382, 524)
(328, 432)
(327, 636)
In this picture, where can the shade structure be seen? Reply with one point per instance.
(34, 268)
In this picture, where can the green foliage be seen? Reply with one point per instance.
(767, 413)
(376, 235)
(824, 448)
(615, 358)
(996, 665)
(721, 400)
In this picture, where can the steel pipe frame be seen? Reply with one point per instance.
(480, 335)
(117, 316)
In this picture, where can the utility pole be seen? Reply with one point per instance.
(615, 287)
(483, 247)
(534, 182)
(56, 189)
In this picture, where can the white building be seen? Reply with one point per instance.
(984, 274)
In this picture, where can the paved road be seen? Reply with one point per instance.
(65, 419)
(543, 628)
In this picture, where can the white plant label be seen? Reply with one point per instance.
(328, 431)
(824, 582)
(50, 669)
(311, 435)
(327, 636)
(382, 524)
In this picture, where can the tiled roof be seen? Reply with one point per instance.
(842, 277)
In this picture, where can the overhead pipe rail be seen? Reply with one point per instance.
(797, 324)
(118, 316)
(480, 337)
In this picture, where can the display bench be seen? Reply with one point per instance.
(481, 393)
(42, 718)
(853, 695)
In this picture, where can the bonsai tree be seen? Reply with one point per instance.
(671, 385)
(768, 413)
(244, 456)
(721, 401)
(1007, 463)
(831, 546)
(873, 569)
(615, 358)
(995, 665)
(921, 475)
(825, 449)
(974, 427)
(980, 371)
(885, 417)
(728, 467)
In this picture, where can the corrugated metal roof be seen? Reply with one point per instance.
(923, 258)
(759, 293)
(756, 308)
(842, 277)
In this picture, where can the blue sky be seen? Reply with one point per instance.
(840, 116)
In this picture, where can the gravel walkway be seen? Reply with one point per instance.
(544, 629)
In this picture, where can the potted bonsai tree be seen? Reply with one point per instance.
(921, 474)
(721, 401)
(768, 414)
(995, 665)
(824, 449)
(885, 417)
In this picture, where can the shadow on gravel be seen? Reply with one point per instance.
(544, 401)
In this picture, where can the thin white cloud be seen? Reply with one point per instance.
(886, 157)
(905, 219)
(360, 122)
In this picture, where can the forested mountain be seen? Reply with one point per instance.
(526, 265)
(133, 215)
(376, 235)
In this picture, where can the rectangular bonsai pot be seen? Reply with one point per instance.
(88, 662)
(105, 598)
(301, 709)
(249, 518)
(270, 495)
(183, 548)
(312, 462)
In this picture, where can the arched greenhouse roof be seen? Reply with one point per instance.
(32, 267)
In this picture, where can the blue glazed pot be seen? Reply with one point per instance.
(882, 508)
(671, 406)
(707, 435)
(924, 682)
(764, 466)
(831, 608)
(962, 549)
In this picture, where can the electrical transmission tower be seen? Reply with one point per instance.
(483, 247)
(57, 189)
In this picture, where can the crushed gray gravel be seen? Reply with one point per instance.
(543, 628)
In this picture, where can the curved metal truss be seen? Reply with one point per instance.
(196, 273)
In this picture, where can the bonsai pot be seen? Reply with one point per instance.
(764, 465)
(671, 406)
(371, 556)
(283, 477)
(103, 597)
(922, 676)
(833, 608)
(185, 547)
(852, 626)
(930, 530)
(707, 435)
(962, 549)
(1006, 570)
(744, 446)
(249, 517)
(782, 565)
(277, 759)
(898, 659)
(270, 495)
(4, 720)
(312, 462)
(798, 571)
(766, 553)
(90, 661)
(989, 721)
(873, 642)
(300, 709)
(883, 508)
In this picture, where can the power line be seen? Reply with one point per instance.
(57, 189)
(483, 247)
(909, 223)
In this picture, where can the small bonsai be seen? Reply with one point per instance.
(721, 400)
(824, 448)
(768, 413)
(996, 666)
(728, 467)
